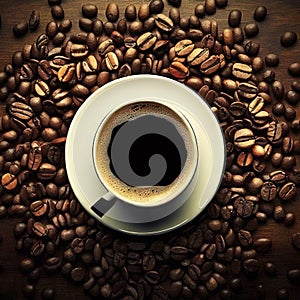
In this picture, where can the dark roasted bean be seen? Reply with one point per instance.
(260, 13)
(34, 20)
(294, 69)
(288, 38)
(20, 29)
(234, 18)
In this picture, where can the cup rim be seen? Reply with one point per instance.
(191, 175)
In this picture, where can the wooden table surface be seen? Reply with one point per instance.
(283, 15)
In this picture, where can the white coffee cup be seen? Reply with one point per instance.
(126, 124)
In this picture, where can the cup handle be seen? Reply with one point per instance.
(104, 204)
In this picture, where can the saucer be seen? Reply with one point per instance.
(79, 159)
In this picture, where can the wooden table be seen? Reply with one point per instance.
(283, 15)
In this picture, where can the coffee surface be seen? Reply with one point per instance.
(144, 152)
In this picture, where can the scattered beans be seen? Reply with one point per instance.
(53, 82)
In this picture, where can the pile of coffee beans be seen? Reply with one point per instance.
(48, 81)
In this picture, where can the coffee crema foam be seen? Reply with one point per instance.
(128, 113)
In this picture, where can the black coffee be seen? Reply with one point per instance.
(144, 150)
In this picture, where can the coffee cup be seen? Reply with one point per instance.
(145, 153)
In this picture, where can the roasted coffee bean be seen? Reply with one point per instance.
(251, 266)
(288, 191)
(289, 219)
(288, 38)
(86, 24)
(294, 69)
(296, 86)
(78, 50)
(277, 89)
(112, 12)
(260, 13)
(146, 41)
(37, 248)
(275, 133)
(210, 6)
(65, 25)
(244, 138)
(89, 10)
(97, 27)
(198, 56)
(143, 12)
(39, 229)
(234, 18)
(57, 12)
(251, 29)
(20, 29)
(292, 97)
(247, 91)
(34, 20)
(211, 65)
(178, 70)
(111, 60)
(9, 181)
(130, 12)
(156, 6)
(38, 208)
(242, 71)
(272, 60)
(164, 23)
(52, 264)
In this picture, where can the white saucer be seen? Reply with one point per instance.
(79, 159)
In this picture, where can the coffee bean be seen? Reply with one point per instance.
(178, 70)
(292, 97)
(234, 18)
(65, 25)
(9, 181)
(86, 24)
(288, 38)
(260, 13)
(241, 71)
(251, 48)
(294, 69)
(289, 219)
(89, 10)
(164, 23)
(211, 65)
(146, 41)
(20, 29)
(251, 266)
(272, 60)
(27, 264)
(57, 12)
(262, 244)
(251, 29)
(198, 56)
(156, 6)
(34, 20)
(288, 191)
(112, 12)
(296, 86)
